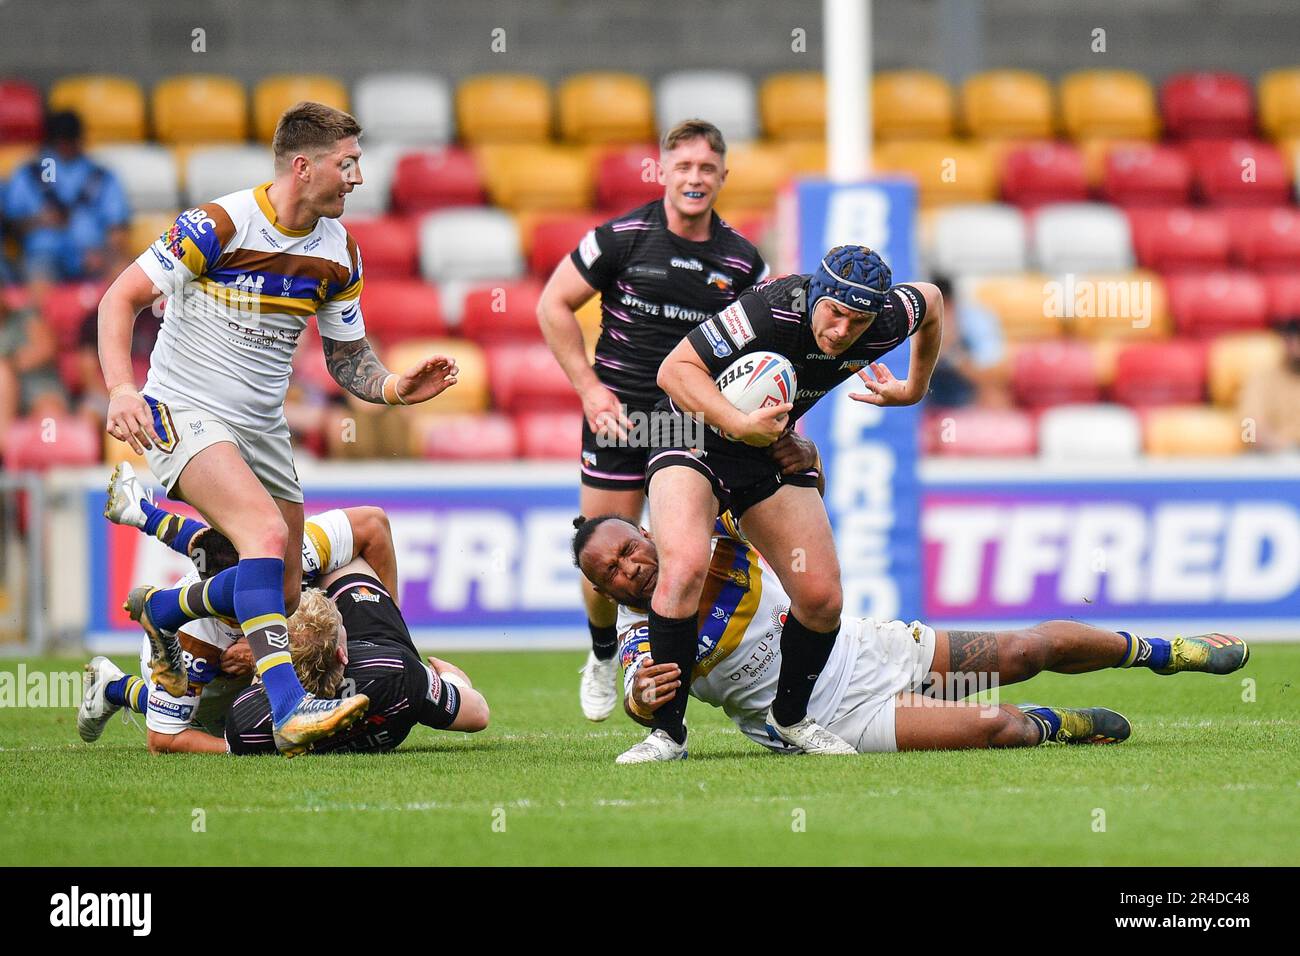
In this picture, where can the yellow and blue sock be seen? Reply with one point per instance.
(1152, 652)
(169, 608)
(259, 607)
(1046, 720)
(173, 530)
(128, 691)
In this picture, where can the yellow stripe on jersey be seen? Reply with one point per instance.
(351, 292)
(254, 302)
(192, 257)
(320, 543)
(740, 619)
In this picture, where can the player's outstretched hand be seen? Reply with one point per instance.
(794, 453)
(655, 685)
(129, 420)
(764, 426)
(427, 380)
(604, 413)
(884, 390)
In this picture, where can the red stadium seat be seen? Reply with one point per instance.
(1054, 373)
(1179, 238)
(487, 437)
(1210, 303)
(502, 313)
(1266, 239)
(1240, 172)
(35, 444)
(434, 179)
(1282, 291)
(399, 309)
(998, 432)
(628, 177)
(1145, 174)
(1160, 373)
(1207, 105)
(22, 113)
(550, 435)
(526, 378)
(1043, 173)
(66, 306)
(389, 245)
(555, 236)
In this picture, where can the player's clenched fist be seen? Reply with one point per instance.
(129, 419)
(427, 380)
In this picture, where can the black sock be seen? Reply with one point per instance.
(674, 639)
(804, 653)
(604, 641)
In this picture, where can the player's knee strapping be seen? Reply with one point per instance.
(215, 597)
(259, 607)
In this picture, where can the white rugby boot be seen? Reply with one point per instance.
(95, 710)
(125, 492)
(597, 691)
(810, 737)
(658, 746)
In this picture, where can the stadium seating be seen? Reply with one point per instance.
(1146, 174)
(1282, 293)
(755, 176)
(413, 109)
(911, 104)
(1120, 306)
(1195, 430)
(1234, 358)
(35, 444)
(146, 227)
(22, 113)
(200, 108)
(1087, 433)
(724, 97)
(605, 108)
(503, 108)
(1207, 105)
(469, 244)
(526, 378)
(1081, 237)
(66, 306)
(1054, 373)
(982, 239)
(1007, 104)
(1043, 173)
(1108, 104)
(1184, 238)
(804, 157)
(627, 177)
(537, 177)
(555, 436)
(504, 312)
(961, 432)
(1020, 304)
(389, 245)
(378, 167)
(1159, 373)
(1279, 103)
(487, 437)
(793, 106)
(1211, 303)
(216, 171)
(396, 310)
(469, 395)
(111, 107)
(275, 94)
(554, 237)
(434, 179)
(946, 171)
(1266, 239)
(147, 173)
(1240, 172)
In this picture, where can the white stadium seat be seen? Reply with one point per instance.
(1089, 432)
(378, 166)
(1082, 237)
(414, 109)
(220, 170)
(147, 174)
(979, 239)
(468, 244)
(723, 97)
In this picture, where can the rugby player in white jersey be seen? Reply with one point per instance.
(887, 685)
(241, 275)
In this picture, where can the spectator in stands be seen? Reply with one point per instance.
(69, 212)
(972, 367)
(29, 378)
(1271, 398)
(90, 380)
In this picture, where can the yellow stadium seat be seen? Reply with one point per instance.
(1007, 104)
(1279, 103)
(1195, 430)
(589, 319)
(804, 157)
(200, 108)
(116, 452)
(1020, 303)
(1127, 306)
(947, 171)
(1236, 356)
(793, 106)
(13, 155)
(470, 393)
(1108, 104)
(146, 227)
(755, 175)
(911, 104)
(111, 107)
(537, 177)
(606, 108)
(503, 108)
(275, 94)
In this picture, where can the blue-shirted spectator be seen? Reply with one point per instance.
(69, 212)
(972, 367)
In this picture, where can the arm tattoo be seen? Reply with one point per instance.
(356, 367)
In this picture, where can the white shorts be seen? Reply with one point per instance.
(184, 432)
(892, 657)
(204, 711)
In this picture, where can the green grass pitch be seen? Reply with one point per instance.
(1208, 778)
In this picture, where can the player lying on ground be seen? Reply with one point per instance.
(241, 275)
(886, 686)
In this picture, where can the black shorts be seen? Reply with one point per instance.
(612, 467)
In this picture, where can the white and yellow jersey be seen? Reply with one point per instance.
(738, 656)
(240, 287)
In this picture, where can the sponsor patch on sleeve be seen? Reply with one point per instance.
(589, 248)
(719, 345)
(736, 322)
(913, 305)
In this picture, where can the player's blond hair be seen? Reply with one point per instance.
(691, 129)
(314, 641)
(309, 127)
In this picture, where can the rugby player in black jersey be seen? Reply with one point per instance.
(660, 269)
(830, 325)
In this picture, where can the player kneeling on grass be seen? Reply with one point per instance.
(887, 685)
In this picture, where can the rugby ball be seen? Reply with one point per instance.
(757, 380)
